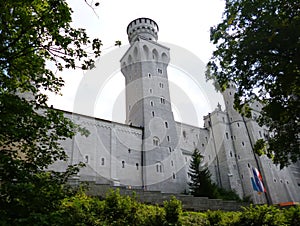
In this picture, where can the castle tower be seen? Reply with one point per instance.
(239, 133)
(148, 105)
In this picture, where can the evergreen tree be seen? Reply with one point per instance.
(200, 184)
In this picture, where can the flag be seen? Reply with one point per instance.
(256, 181)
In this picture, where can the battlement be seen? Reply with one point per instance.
(142, 27)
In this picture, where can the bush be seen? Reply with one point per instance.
(173, 209)
(194, 219)
(292, 215)
(262, 215)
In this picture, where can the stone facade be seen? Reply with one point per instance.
(152, 152)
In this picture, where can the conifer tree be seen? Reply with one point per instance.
(200, 184)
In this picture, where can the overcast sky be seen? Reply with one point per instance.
(183, 25)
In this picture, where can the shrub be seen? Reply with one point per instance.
(173, 209)
(194, 219)
(262, 215)
(292, 215)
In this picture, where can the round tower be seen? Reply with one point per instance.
(148, 105)
(144, 28)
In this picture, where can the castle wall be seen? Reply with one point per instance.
(112, 152)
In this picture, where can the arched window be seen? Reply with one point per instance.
(155, 141)
(123, 164)
(102, 161)
(159, 167)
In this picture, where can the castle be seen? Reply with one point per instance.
(152, 151)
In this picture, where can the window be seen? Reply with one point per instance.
(168, 138)
(155, 141)
(150, 90)
(166, 124)
(159, 168)
(227, 135)
(153, 114)
(149, 75)
(172, 163)
(129, 151)
(161, 85)
(151, 103)
(159, 71)
(123, 164)
(243, 143)
(170, 149)
(137, 166)
(238, 124)
(102, 161)
(248, 165)
(260, 133)
(174, 176)
(230, 154)
(184, 134)
(86, 159)
(162, 100)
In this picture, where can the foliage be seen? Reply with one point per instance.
(173, 209)
(227, 195)
(257, 50)
(292, 215)
(220, 218)
(118, 210)
(35, 36)
(262, 215)
(194, 218)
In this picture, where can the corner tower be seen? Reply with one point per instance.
(148, 104)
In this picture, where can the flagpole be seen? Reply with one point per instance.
(257, 163)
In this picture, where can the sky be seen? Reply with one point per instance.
(183, 26)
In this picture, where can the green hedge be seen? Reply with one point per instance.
(115, 210)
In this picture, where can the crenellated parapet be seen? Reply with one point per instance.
(142, 27)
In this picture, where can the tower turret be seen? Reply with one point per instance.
(142, 27)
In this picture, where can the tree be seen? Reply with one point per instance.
(257, 49)
(201, 184)
(34, 36)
